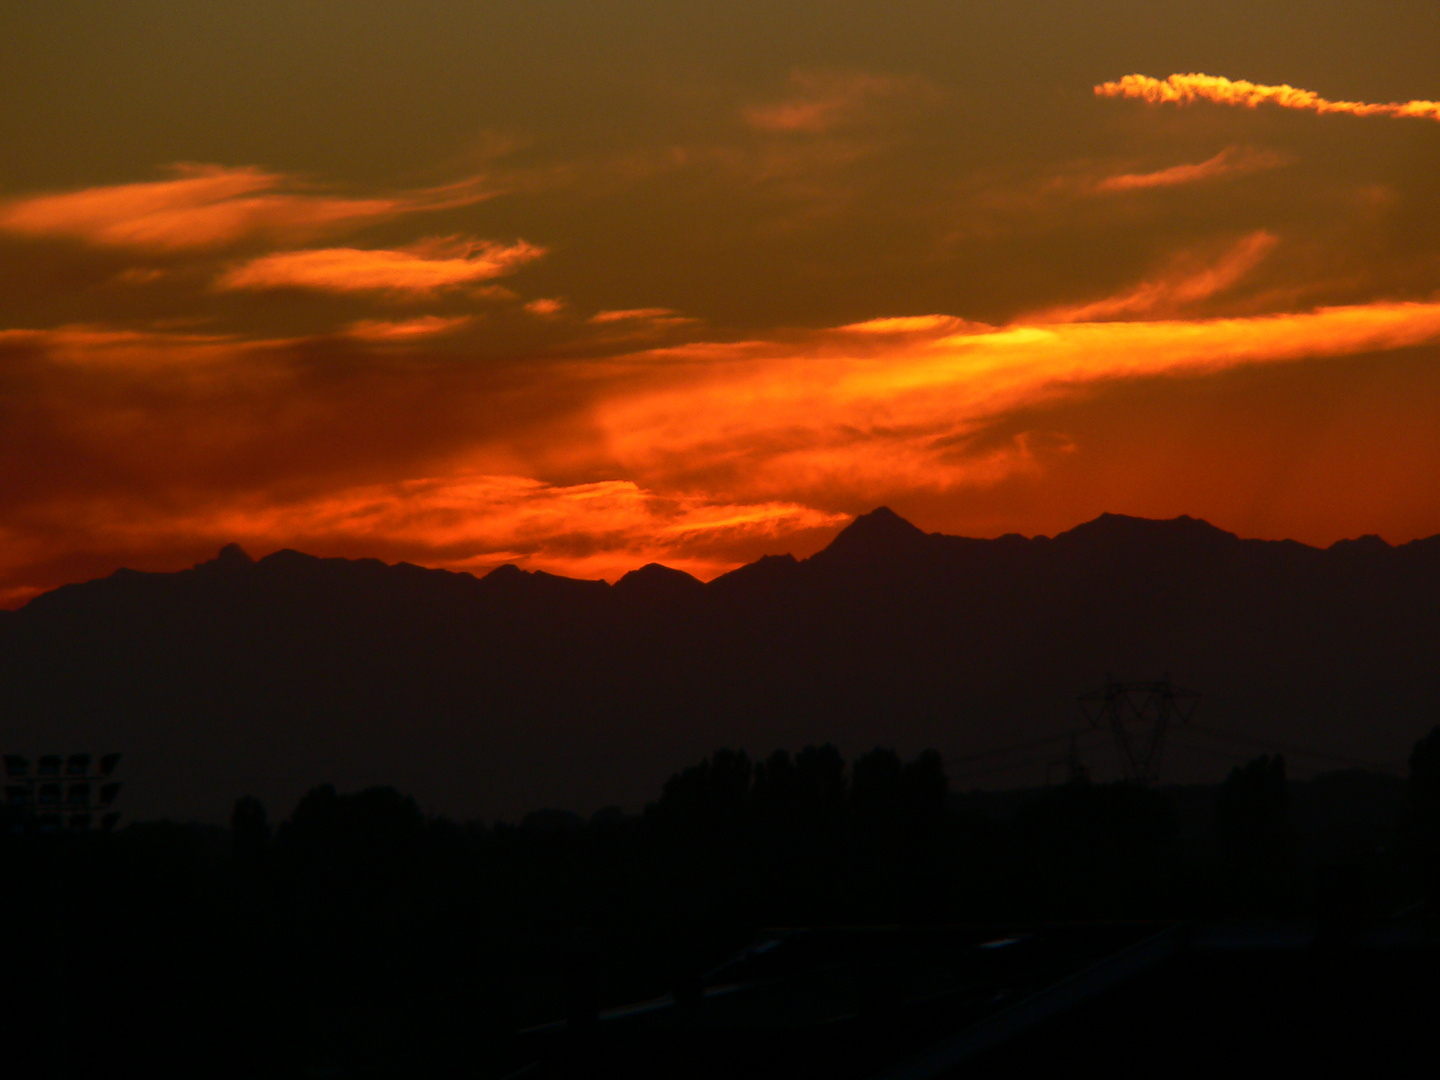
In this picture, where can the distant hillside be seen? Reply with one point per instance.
(497, 695)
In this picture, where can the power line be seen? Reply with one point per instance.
(1296, 750)
(960, 772)
(1228, 755)
(1033, 744)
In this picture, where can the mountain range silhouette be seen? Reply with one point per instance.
(496, 695)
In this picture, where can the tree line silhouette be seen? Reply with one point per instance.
(359, 936)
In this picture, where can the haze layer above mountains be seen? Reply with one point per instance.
(493, 696)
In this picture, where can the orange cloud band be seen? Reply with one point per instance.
(825, 100)
(1183, 89)
(210, 206)
(346, 270)
(866, 412)
(700, 456)
(1171, 292)
(1226, 162)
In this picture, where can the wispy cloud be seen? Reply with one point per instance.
(820, 101)
(1230, 161)
(638, 323)
(1171, 292)
(476, 521)
(212, 206)
(420, 271)
(546, 307)
(401, 330)
(906, 324)
(1183, 89)
(700, 456)
(856, 414)
(648, 314)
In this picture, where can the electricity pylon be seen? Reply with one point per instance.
(1139, 715)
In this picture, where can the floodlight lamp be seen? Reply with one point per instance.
(79, 821)
(48, 765)
(78, 765)
(108, 793)
(108, 821)
(108, 763)
(79, 794)
(16, 766)
(49, 795)
(17, 795)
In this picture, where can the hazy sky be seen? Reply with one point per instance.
(587, 285)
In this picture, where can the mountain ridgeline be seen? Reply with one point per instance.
(493, 696)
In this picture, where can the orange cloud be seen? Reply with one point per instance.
(645, 314)
(1183, 89)
(866, 414)
(1177, 289)
(100, 347)
(1227, 162)
(475, 522)
(406, 272)
(905, 324)
(426, 326)
(545, 307)
(700, 456)
(824, 100)
(210, 206)
(638, 323)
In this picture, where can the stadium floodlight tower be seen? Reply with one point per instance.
(65, 792)
(1139, 715)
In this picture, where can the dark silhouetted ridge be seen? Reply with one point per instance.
(232, 555)
(656, 583)
(510, 580)
(1369, 544)
(878, 537)
(522, 689)
(1109, 530)
(767, 572)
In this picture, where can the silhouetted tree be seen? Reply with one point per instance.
(708, 799)
(1420, 815)
(877, 788)
(249, 830)
(820, 771)
(1251, 810)
(926, 787)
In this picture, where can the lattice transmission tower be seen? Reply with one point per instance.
(1139, 715)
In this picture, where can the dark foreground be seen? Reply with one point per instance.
(1260, 919)
(1132, 998)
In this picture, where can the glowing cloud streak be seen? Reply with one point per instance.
(1227, 162)
(426, 326)
(1184, 89)
(346, 270)
(824, 100)
(697, 452)
(862, 412)
(209, 206)
(1173, 291)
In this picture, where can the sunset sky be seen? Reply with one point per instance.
(587, 285)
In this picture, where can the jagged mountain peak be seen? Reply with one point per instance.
(655, 581)
(232, 557)
(880, 534)
(1122, 528)
(1370, 543)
